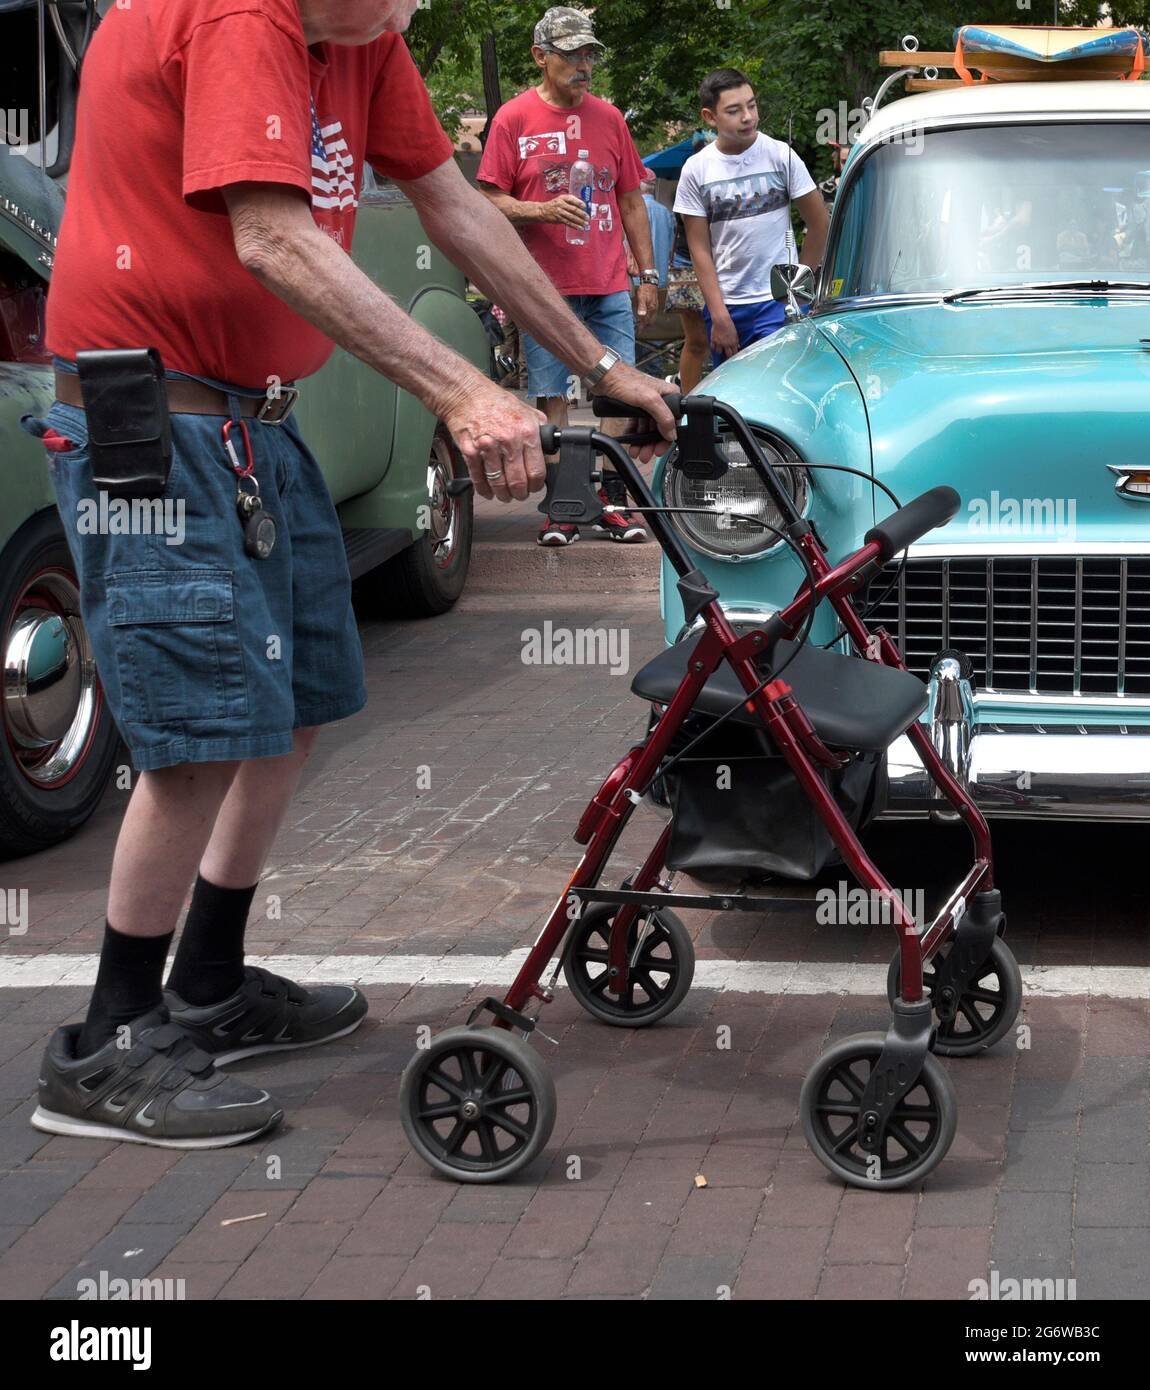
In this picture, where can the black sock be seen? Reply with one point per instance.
(128, 985)
(209, 963)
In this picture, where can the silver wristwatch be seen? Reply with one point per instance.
(601, 368)
(648, 277)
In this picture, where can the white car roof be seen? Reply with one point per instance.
(989, 99)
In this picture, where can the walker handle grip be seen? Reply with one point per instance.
(610, 407)
(901, 528)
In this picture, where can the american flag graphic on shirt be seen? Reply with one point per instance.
(331, 166)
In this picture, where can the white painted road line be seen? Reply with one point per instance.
(736, 976)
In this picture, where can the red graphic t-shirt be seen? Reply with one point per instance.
(176, 102)
(529, 153)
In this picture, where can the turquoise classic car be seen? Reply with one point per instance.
(982, 319)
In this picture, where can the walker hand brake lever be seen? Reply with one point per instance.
(572, 485)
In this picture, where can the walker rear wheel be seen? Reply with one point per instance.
(984, 1011)
(657, 982)
(478, 1104)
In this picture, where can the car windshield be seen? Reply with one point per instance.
(992, 207)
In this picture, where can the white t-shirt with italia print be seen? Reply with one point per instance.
(746, 200)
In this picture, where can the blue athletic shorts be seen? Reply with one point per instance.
(752, 321)
(205, 653)
(611, 319)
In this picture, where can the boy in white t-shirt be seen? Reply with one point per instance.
(735, 197)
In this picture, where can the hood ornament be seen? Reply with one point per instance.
(1133, 483)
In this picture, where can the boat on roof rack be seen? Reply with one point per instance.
(1018, 53)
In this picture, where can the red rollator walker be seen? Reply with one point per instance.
(878, 1109)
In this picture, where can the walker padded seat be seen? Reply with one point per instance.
(852, 703)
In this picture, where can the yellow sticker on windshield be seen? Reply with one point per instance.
(836, 288)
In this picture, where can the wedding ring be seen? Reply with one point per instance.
(492, 476)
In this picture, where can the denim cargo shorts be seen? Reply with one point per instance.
(206, 654)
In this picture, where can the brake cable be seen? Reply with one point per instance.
(799, 641)
(898, 574)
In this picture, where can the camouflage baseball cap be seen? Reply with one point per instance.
(565, 28)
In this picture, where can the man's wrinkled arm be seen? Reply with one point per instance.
(517, 212)
(699, 245)
(636, 223)
(278, 242)
(813, 210)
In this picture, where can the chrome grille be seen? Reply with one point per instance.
(1050, 625)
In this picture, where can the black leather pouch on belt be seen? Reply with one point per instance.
(129, 428)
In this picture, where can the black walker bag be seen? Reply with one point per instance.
(129, 428)
(738, 811)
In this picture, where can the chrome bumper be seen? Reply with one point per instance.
(1026, 772)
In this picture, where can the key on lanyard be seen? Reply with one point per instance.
(259, 526)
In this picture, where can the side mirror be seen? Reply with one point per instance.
(792, 283)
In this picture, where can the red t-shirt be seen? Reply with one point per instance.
(530, 149)
(178, 100)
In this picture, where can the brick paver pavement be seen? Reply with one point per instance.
(437, 823)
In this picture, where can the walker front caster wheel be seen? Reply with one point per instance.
(983, 1012)
(918, 1133)
(477, 1104)
(658, 981)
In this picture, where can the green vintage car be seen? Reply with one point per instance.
(388, 462)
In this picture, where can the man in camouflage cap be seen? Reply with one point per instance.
(566, 29)
(532, 144)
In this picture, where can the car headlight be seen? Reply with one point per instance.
(739, 492)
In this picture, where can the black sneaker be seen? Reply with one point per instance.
(159, 1089)
(269, 1014)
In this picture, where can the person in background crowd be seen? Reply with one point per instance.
(525, 171)
(735, 199)
(662, 236)
(829, 187)
(662, 222)
(686, 299)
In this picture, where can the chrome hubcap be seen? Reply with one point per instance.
(443, 525)
(50, 691)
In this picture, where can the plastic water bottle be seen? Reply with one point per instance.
(582, 185)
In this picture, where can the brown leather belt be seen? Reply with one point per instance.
(194, 398)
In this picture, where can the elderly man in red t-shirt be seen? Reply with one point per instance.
(220, 151)
(531, 147)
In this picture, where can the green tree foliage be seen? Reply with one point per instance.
(444, 41)
(819, 57)
(805, 57)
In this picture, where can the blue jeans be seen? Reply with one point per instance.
(608, 316)
(206, 654)
(752, 321)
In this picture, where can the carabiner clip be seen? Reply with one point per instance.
(233, 458)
